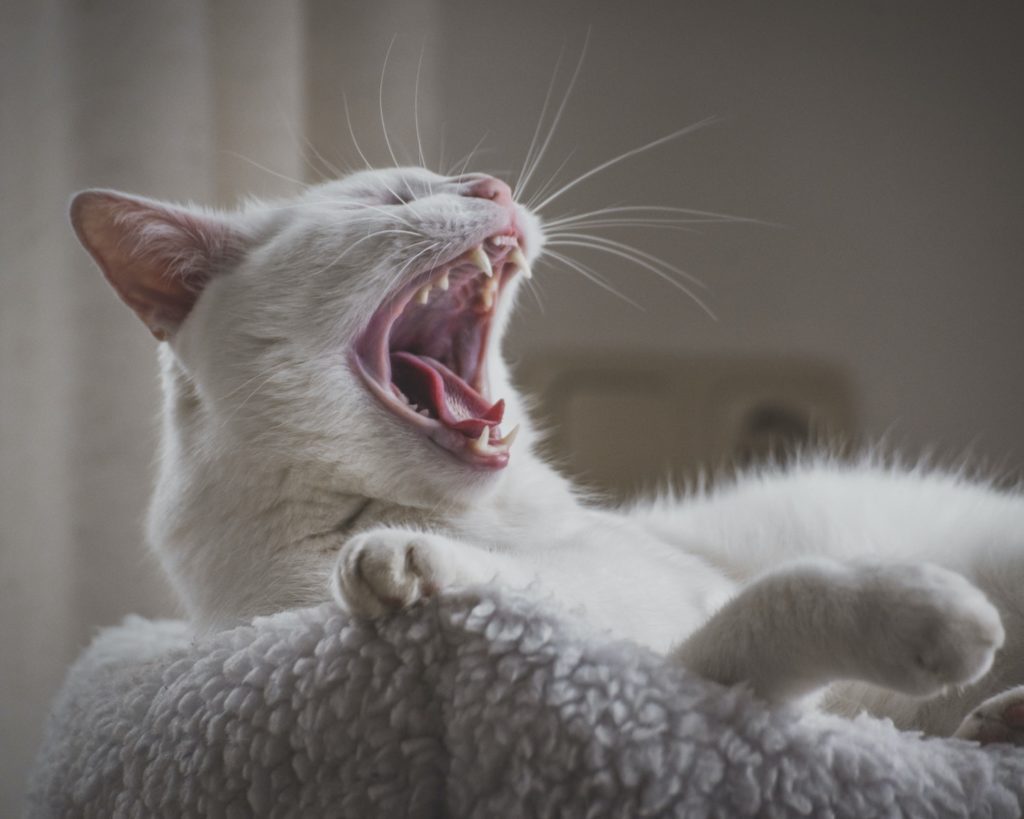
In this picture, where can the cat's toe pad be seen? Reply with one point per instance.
(999, 719)
(388, 569)
(936, 629)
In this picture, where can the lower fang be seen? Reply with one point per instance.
(509, 438)
(480, 445)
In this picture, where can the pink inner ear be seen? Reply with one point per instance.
(158, 258)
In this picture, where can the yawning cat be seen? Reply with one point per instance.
(337, 416)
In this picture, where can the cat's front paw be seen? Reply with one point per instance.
(927, 627)
(998, 719)
(384, 570)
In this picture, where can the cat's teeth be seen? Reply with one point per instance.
(487, 293)
(423, 294)
(478, 257)
(484, 446)
(519, 260)
(509, 438)
(503, 241)
(480, 445)
(443, 281)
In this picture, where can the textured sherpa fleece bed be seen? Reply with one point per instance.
(484, 704)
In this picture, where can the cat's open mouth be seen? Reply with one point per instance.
(424, 352)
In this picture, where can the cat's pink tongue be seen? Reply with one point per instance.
(427, 382)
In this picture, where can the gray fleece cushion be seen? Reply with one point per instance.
(484, 704)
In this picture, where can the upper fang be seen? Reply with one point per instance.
(479, 258)
(519, 260)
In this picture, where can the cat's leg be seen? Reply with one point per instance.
(385, 569)
(910, 628)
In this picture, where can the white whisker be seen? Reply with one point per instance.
(468, 158)
(355, 244)
(634, 223)
(416, 118)
(380, 101)
(551, 180)
(641, 263)
(265, 169)
(589, 274)
(352, 132)
(558, 113)
(689, 129)
(698, 214)
(527, 160)
(627, 248)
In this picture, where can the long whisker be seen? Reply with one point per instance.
(527, 160)
(416, 111)
(344, 208)
(468, 158)
(382, 211)
(352, 132)
(559, 112)
(689, 129)
(640, 262)
(627, 248)
(334, 169)
(265, 169)
(589, 274)
(531, 285)
(550, 181)
(380, 101)
(440, 149)
(668, 224)
(724, 217)
(404, 267)
(302, 140)
(354, 245)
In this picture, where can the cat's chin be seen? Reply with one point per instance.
(423, 354)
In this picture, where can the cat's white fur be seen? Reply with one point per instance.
(282, 477)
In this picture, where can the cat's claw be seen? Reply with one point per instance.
(933, 627)
(385, 570)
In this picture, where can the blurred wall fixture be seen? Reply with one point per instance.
(625, 424)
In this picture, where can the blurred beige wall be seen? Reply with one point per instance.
(884, 137)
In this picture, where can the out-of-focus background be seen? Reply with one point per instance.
(882, 142)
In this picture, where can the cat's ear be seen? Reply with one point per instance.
(157, 257)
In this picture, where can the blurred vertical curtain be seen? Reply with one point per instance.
(161, 99)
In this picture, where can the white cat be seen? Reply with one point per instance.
(337, 415)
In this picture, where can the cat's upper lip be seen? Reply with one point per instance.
(427, 345)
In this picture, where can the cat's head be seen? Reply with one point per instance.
(356, 327)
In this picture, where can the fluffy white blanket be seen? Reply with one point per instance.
(482, 705)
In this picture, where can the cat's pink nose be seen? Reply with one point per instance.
(491, 188)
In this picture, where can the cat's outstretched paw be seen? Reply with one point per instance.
(384, 570)
(927, 628)
(998, 719)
